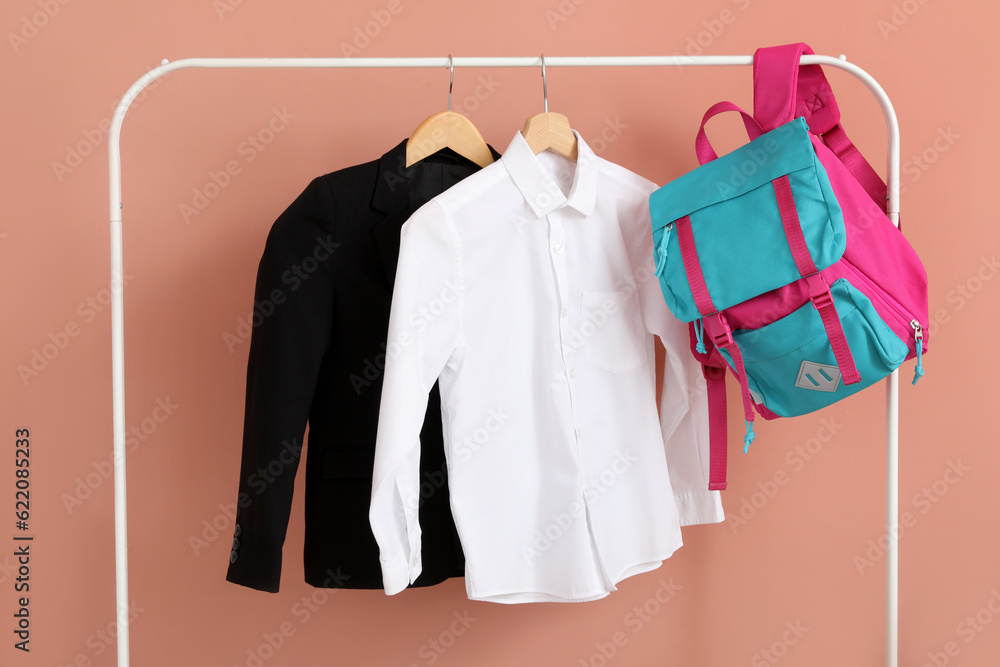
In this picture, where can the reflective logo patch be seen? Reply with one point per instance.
(818, 377)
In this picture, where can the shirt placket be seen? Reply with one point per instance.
(570, 356)
(557, 249)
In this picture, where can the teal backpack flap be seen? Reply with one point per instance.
(733, 206)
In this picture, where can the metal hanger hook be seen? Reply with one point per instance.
(545, 85)
(451, 80)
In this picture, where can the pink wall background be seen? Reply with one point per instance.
(806, 557)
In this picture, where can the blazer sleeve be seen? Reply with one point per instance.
(684, 399)
(292, 323)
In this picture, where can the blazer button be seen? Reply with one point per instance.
(239, 529)
(232, 557)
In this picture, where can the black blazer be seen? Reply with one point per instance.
(317, 350)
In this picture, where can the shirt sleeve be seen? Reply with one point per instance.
(684, 399)
(424, 332)
(290, 329)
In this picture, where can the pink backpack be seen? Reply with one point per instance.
(877, 262)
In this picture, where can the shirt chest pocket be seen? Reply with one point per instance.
(614, 337)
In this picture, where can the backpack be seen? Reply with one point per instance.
(781, 257)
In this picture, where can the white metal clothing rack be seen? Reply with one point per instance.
(117, 303)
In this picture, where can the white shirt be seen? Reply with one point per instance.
(528, 290)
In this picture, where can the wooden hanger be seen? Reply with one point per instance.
(550, 130)
(448, 129)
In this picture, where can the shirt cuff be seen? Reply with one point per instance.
(700, 507)
(397, 574)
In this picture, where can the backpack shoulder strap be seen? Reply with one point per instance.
(715, 381)
(713, 367)
(783, 90)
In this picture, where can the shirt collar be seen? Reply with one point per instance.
(393, 173)
(538, 187)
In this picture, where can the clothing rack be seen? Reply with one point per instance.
(117, 271)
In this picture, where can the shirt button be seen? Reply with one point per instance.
(590, 496)
(572, 373)
(578, 433)
(565, 314)
(558, 248)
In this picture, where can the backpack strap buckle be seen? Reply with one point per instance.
(725, 338)
(819, 291)
(822, 300)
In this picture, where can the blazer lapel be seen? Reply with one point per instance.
(391, 198)
(386, 235)
(401, 190)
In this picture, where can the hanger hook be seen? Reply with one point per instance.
(545, 85)
(451, 80)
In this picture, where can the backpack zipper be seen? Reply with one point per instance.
(876, 292)
(918, 337)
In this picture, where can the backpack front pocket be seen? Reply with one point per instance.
(790, 364)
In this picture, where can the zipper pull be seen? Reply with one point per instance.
(661, 251)
(918, 338)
